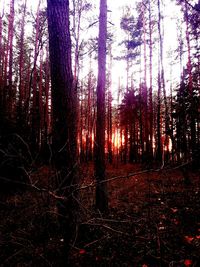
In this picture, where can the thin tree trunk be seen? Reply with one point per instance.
(178, 126)
(101, 188)
(41, 117)
(162, 77)
(190, 85)
(145, 93)
(89, 115)
(158, 121)
(141, 122)
(125, 150)
(77, 36)
(1, 38)
(47, 104)
(21, 65)
(150, 82)
(11, 92)
(81, 125)
(35, 104)
(1, 58)
(109, 115)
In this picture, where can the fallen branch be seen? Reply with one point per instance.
(106, 227)
(96, 241)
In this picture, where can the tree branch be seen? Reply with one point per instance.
(195, 7)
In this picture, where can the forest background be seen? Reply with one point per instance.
(98, 89)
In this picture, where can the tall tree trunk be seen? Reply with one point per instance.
(21, 65)
(125, 149)
(89, 114)
(64, 108)
(1, 58)
(158, 119)
(101, 188)
(5, 72)
(35, 105)
(41, 117)
(141, 122)
(171, 114)
(150, 81)
(47, 97)
(1, 38)
(109, 110)
(81, 121)
(11, 92)
(145, 93)
(190, 87)
(162, 78)
(77, 28)
(178, 124)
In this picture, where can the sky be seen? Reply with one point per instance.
(119, 68)
(171, 11)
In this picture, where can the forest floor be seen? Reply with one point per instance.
(153, 220)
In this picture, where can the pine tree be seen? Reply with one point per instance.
(64, 109)
(101, 190)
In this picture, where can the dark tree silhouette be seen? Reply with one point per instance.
(64, 133)
(101, 191)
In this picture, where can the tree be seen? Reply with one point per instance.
(109, 110)
(130, 115)
(150, 79)
(1, 57)
(21, 62)
(133, 28)
(161, 84)
(64, 132)
(34, 111)
(101, 190)
(191, 19)
(190, 84)
(10, 72)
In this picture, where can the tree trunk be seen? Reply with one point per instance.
(89, 115)
(77, 28)
(145, 92)
(162, 78)
(41, 110)
(160, 86)
(64, 118)
(109, 110)
(1, 58)
(150, 82)
(11, 92)
(190, 87)
(35, 105)
(21, 66)
(158, 121)
(101, 188)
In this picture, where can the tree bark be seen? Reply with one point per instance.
(1, 58)
(35, 106)
(109, 110)
(21, 66)
(64, 118)
(11, 92)
(190, 87)
(150, 81)
(101, 188)
(145, 92)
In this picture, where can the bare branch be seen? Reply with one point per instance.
(195, 7)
